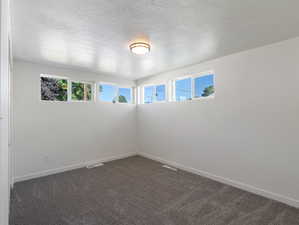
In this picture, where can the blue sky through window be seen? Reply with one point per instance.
(125, 92)
(108, 92)
(160, 93)
(149, 94)
(202, 83)
(183, 90)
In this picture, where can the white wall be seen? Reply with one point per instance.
(50, 136)
(247, 135)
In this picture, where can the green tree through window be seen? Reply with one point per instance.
(53, 89)
(208, 91)
(81, 91)
(122, 99)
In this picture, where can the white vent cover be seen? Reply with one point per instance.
(170, 168)
(94, 165)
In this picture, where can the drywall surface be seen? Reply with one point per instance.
(53, 136)
(247, 134)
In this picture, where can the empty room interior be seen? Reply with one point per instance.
(149, 112)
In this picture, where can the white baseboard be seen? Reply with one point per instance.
(240, 185)
(71, 167)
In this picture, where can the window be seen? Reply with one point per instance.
(204, 86)
(154, 93)
(125, 95)
(53, 88)
(108, 92)
(114, 94)
(149, 94)
(194, 87)
(183, 89)
(160, 93)
(81, 91)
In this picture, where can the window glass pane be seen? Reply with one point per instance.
(124, 95)
(160, 93)
(77, 91)
(149, 94)
(183, 89)
(108, 93)
(204, 86)
(53, 89)
(81, 91)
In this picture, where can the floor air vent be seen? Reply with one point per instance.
(94, 165)
(170, 168)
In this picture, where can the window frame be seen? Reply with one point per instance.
(193, 77)
(84, 82)
(174, 88)
(118, 86)
(131, 94)
(143, 93)
(54, 77)
(155, 92)
(202, 75)
(94, 89)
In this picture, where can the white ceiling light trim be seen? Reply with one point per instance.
(140, 48)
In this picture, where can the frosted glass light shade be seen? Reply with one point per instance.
(140, 48)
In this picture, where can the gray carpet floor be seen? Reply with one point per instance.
(138, 191)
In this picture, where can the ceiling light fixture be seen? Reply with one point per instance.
(140, 48)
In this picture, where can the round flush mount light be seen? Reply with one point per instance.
(140, 48)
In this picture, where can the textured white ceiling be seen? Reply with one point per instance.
(94, 35)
